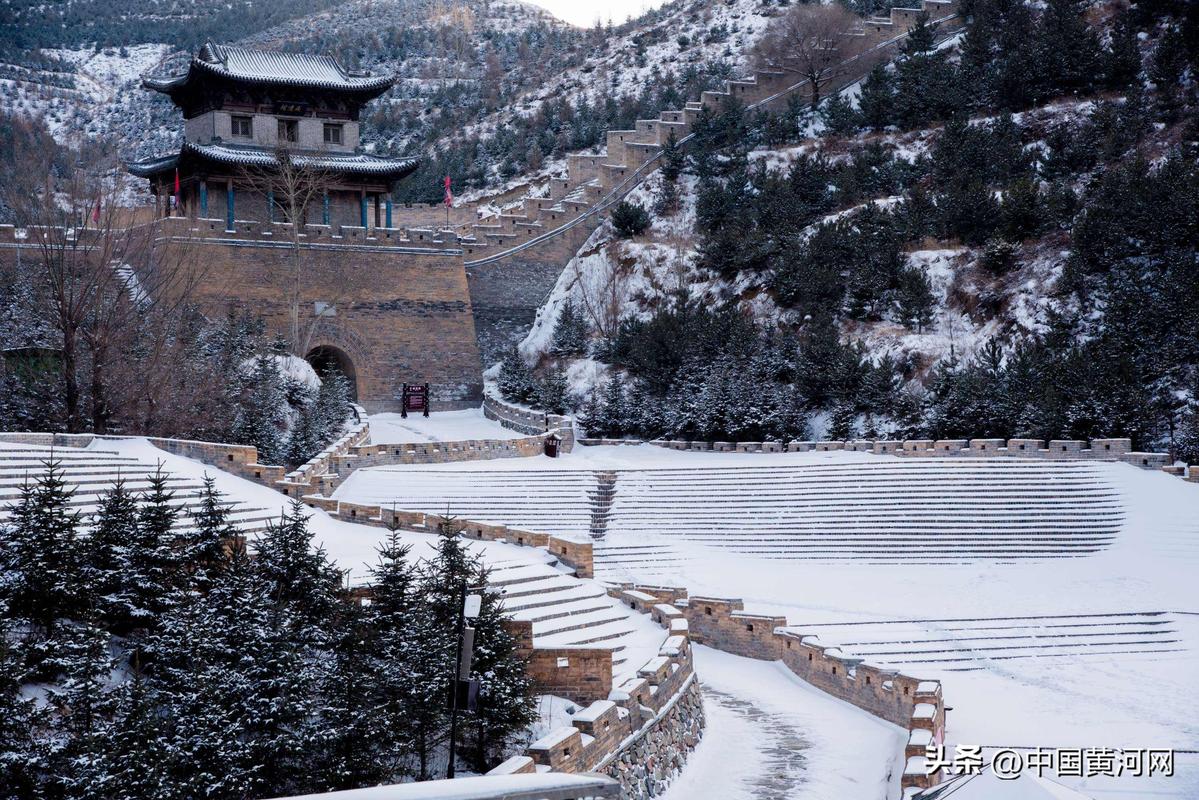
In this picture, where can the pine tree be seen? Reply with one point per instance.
(915, 298)
(629, 219)
(213, 536)
(516, 381)
(113, 527)
(1123, 57)
(301, 579)
(877, 101)
(24, 755)
(41, 568)
(552, 394)
(261, 415)
(151, 568)
(840, 116)
(570, 331)
(82, 706)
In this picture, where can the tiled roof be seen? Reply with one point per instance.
(352, 163)
(273, 67)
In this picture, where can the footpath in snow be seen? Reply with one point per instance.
(770, 736)
(441, 426)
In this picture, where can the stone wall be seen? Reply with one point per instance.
(911, 703)
(395, 303)
(529, 421)
(1056, 450)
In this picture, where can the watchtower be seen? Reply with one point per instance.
(294, 222)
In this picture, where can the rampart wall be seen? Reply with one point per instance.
(1119, 450)
(914, 704)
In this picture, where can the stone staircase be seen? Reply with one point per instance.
(596, 182)
(92, 472)
(860, 509)
(966, 644)
(568, 612)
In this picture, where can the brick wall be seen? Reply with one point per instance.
(399, 309)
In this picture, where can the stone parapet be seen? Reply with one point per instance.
(1117, 450)
(911, 703)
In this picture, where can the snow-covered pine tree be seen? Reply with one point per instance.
(307, 436)
(516, 382)
(333, 404)
(82, 706)
(212, 538)
(152, 567)
(840, 116)
(41, 555)
(553, 392)
(113, 527)
(877, 101)
(261, 416)
(24, 755)
(570, 331)
(301, 580)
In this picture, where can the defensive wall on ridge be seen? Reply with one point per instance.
(514, 258)
(1119, 450)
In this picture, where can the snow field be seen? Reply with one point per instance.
(1079, 632)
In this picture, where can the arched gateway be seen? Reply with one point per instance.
(327, 358)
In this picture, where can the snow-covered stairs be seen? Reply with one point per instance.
(91, 472)
(873, 510)
(566, 611)
(965, 644)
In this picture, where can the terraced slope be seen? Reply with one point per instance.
(90, 472)
(969, 643)
(874, 510)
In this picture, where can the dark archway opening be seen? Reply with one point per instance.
(325, 359)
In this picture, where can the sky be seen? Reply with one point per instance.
(585, 12)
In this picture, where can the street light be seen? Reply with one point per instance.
(464, 692)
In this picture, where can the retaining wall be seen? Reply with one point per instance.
(529, 421)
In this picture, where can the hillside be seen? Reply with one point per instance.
(958, 246)
(489, 91)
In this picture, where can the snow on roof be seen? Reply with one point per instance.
(927, 687)
(247, 156)
(924, 711)
(269, 66)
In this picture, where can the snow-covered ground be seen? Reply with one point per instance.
(1097, 650)
(770, 736)
(441, 426)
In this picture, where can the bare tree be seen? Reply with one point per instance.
(294, 185)
(96, 274)
(810, 41)
(603, 291)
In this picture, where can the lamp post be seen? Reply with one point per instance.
(469, 606)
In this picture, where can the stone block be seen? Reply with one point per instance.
(1025, 448)
(1111, 449)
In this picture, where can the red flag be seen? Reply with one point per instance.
(96, 213)
(449, 196)
(178, 198)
